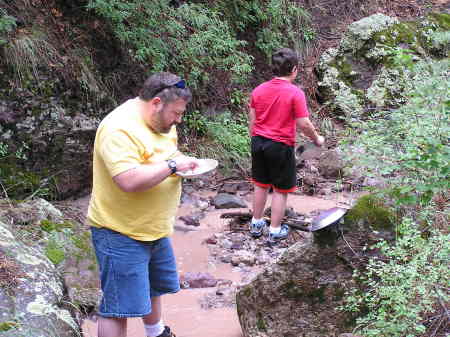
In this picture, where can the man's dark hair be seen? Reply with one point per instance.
(283, 61)
(167, 86)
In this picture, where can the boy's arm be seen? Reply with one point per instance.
(251, 120)
(305, 125)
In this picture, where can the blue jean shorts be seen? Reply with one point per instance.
(131, 272)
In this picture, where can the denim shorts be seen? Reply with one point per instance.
(131, 272)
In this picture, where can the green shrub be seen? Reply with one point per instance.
(404, 290)
(232, 135)
(191, 40)
(409, 148)
(405, 287)
(7, 24)
(274, 23)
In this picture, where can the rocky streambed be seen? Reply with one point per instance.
(216, 256)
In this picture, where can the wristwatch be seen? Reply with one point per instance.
(172, 165)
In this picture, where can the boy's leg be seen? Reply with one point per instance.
(259, 201)
(278, 207)
(112, 327)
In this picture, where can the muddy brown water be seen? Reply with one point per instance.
(183, 311)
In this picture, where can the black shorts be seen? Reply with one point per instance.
(273, 164)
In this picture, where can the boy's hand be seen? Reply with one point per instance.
(319, 141)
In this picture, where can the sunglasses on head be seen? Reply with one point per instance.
(181, 84)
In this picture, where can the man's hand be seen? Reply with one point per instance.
(185, 163)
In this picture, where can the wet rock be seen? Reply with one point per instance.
(331, 164)
(263, 257)
(202, 204)
(224, 296)
(190, 220)
(226, 258)
(230, 188)
(244, 186)
(197, 280)
(211, 240)
(242, 256)
(226, 243)
(224, 200)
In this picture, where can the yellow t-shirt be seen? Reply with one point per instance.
(123, 141)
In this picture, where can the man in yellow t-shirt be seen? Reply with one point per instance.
(133, 205)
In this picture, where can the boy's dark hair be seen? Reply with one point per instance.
(283, 61)
(167, 86)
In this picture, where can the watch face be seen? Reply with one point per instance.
(172, 165)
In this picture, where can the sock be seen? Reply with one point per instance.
(256, 220)
(274, 230)
(154, 330)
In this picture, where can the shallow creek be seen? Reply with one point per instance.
(183, 311)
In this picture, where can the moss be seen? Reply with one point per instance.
(371, 211)
(317, 295)
(338, 294)
(291, 290)
(54, 253)
(295, 292)
(441, 19)
(260, 322)
(247, 292)
(6, 326)
(49, 226)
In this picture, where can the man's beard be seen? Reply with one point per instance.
(158, 123)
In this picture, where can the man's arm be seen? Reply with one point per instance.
(251, 119)
(305, 125)
(146, 176)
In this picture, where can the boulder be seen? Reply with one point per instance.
(31, 292)
(65, 244)
(299, 294)
(224, 200)
(363, 74)
(331, 164)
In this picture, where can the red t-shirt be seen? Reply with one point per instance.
(277, 104)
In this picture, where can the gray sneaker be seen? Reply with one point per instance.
(281, 235)
(256, 228)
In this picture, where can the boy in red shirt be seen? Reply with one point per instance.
(277, 108)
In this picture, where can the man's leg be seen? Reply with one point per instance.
(112, 327)
(278, 207)
(155, 316)
(259, 201)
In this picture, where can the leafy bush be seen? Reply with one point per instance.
(191, 40)
(231, 138)
(7, 24)
(409, 147)
(406, 287)
(404, 293)
(275, 23)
